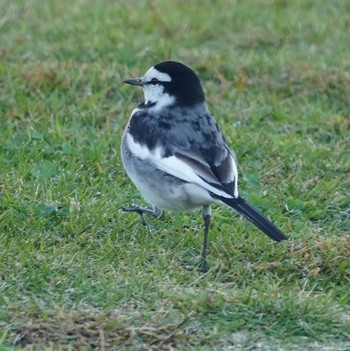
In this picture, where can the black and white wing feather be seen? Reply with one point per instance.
(188, 165)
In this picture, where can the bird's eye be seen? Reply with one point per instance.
(154, 81)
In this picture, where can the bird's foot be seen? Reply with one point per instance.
(142, 211)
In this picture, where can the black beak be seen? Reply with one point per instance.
(134, 81)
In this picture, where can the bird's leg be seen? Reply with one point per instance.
(206, 217)
(156, 212)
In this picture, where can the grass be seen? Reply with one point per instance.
(77, 273)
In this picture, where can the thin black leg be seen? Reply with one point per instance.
(206, 217)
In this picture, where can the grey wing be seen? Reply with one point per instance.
(215, 165)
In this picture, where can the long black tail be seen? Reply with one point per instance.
(245, 209)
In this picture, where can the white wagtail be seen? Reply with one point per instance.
(176, 155)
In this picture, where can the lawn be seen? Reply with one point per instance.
(77, 273)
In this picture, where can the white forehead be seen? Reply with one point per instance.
(153, 73)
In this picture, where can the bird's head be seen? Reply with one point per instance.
(170, 83)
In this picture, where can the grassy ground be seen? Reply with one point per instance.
(77, 273)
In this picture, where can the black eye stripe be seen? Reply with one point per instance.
(154, 82)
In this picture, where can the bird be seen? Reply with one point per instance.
(176, 155)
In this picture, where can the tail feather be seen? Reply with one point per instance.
(245, 209)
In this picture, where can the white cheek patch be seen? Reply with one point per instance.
(155, 93)
(152, 93)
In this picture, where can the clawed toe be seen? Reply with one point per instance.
(142, 211)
